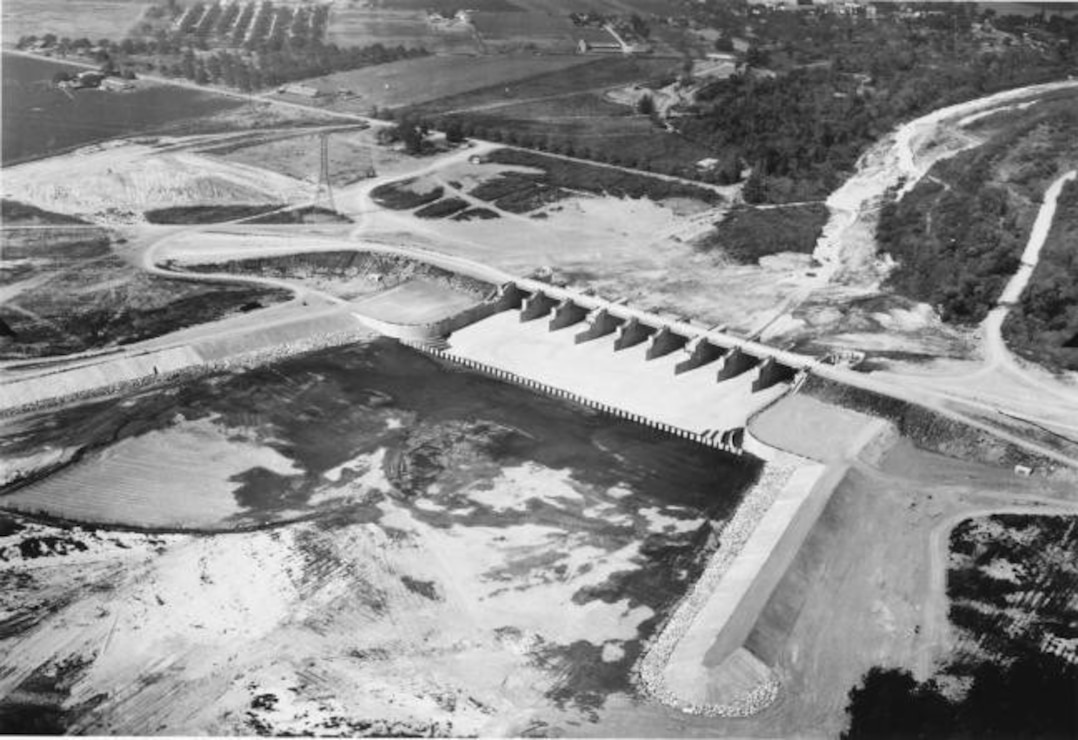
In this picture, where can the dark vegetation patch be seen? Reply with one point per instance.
(399, 196)
(13, 212)
(958, 236)
(426, 589)
(208, 214)
(304, 215)
(1019, 684)
(386, 270)
(9, 525)
(579, 176)
(1043, 327)
(518, 192)
(803, 129)
(89, 298)
(449, 454)
(442, 208)
(818, 90)
(46, 546)
(1012, 583)
(747, 234)
(476, 214)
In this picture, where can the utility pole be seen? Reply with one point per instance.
(323, 175)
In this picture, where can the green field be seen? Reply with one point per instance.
(413, 81)
(565, 112)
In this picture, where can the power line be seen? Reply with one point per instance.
(323, 175)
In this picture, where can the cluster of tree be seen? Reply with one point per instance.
(842, 82)
(1044, 326)
(257, 26)
(747, 234)
(958, 235)
(1032, 697)
(412, 134)
(956, 244)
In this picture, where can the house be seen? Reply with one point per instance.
(305, 91)
(117, 84)
(708, 163)
(89, 79)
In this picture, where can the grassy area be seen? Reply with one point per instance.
(476, 214)
(73, 18)
(69, 293)
(12, 213)
(565, 112)
(570, 175)
(400, 196)
(442, 208)
(518, 192)
(747, 234)
(959, 235)
(1044, 325)
(305, 215)
(418, 81)
(207, 214)
(386, 271)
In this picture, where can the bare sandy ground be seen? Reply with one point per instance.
(180, 477)
(115, 182)
(358, 628)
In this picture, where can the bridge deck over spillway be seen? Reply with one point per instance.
(694, 400)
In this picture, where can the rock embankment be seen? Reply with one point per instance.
(732, 539)
(124, 372)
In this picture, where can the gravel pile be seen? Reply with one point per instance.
(732, 538)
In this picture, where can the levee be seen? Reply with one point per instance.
(699, 662)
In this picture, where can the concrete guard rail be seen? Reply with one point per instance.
(729, 441)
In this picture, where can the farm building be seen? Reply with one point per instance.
(305, 91)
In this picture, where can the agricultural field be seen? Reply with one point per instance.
(570, 113)
(353, 155)
(525, 31)
(358, 26)
(413, 81)
(94, 19)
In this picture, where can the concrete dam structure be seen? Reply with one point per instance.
(664, 373)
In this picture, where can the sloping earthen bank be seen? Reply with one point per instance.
(699, 661)
(929, 430)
